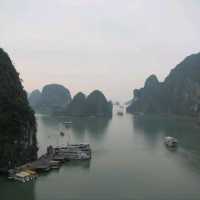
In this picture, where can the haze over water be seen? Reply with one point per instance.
(129, 161)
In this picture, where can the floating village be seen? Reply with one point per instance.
(54, 158)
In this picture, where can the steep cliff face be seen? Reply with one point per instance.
(78, 105)
(17, 122)
(53, 98)
(97, 104)
(178, 94)
(94, 105)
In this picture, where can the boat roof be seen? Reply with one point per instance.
(22, 174)
(170, 138)
(31, 172)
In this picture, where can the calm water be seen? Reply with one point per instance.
(129, 161)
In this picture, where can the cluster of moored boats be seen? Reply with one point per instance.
(53, 159)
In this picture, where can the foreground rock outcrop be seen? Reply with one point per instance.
(18, 143)
(94, 105)
(179, 93)
(54, 98)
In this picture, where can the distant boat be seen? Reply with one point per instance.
(120, 113)
(67, 124)
(23, 176)
(171, 142)
(62, 133)
(120, 110)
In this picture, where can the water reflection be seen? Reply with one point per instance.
(129, 150)
(81, 164)
(92, 127)
(13, 190)
(182, 129)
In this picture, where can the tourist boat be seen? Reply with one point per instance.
(171, 142)
(68, 124)
(120, 113)
(74, 152)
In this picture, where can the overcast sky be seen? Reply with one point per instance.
(112, 45)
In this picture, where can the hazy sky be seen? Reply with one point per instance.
(112, 45)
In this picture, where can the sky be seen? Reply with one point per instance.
(110, 45)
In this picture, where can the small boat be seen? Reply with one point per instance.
(62, 133)
(23, 176)
(68, 124)
(74, 152)
(171, 142)
(120, 113)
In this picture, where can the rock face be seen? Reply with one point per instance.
(17, 122)
(53, 98)
(78, 105)
(94, 105)
(179, 93)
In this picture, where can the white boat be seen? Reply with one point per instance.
(67, 123)
(23, 176)
(171, 142)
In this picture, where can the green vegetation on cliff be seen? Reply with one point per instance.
(179, 93)
(17, 122)
(54, 98)
(94, 105)
(77, 106)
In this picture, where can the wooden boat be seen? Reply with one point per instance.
(23, 176)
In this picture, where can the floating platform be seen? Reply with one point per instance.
(53, 159)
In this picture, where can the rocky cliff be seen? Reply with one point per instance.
(53, 98)
(78, 105)
(17, 122)
(94, 105)
(178, 94)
